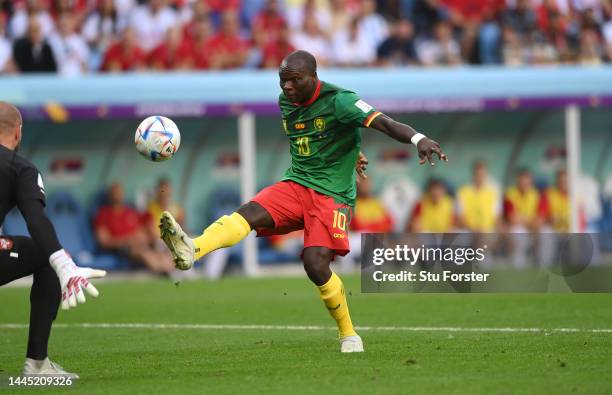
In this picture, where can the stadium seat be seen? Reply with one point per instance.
(70, 222)
(14, 224)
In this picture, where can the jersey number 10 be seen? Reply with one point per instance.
(339, 220)
(303, 146)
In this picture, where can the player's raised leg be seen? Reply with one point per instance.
(224, 232)
(331, 290)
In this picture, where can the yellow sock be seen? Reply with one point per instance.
(332, 294)
(224, 232)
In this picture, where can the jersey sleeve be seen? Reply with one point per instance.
(353, 111)
(30, 185)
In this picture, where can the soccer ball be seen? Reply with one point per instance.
(157, 138)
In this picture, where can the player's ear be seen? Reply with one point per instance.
(18, 135)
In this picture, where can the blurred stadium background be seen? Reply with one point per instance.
(515, 85)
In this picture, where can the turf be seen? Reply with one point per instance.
(231, 361)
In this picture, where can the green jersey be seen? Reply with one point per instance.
(325, 140)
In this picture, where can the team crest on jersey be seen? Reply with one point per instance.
(6, 244)
(319, 123)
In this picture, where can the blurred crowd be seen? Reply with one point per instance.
(73, 37)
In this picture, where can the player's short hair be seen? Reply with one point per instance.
(301, 60)
(10, 117)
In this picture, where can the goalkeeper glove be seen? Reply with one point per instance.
(73, 279)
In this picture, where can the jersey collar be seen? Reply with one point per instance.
(314, 97)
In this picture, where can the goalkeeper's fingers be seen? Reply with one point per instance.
(65, 305)
(71, 289)
(80, 295)
(75, 292)
(92, 273)
(89, 287)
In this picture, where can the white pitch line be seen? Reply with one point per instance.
(109, 325)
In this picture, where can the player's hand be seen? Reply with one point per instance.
(427, 148)
(73, 279)
(361, 167)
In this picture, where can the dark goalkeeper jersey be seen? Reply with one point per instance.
(325, 140)
(21, 185)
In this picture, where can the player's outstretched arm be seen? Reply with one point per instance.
(73, 280)
(426, 147)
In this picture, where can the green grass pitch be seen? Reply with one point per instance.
(243, 360)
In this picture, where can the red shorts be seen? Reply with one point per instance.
(294, 207)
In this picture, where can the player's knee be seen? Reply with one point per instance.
(256, 215)
(316, 264)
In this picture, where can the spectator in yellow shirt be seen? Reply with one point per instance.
(479, 203)
(521, 204)
(163, 201)
(434, 212)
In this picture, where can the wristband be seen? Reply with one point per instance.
(416, 138)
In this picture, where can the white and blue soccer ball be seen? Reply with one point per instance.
(157, 138)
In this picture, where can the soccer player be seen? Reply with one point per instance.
(42, 255)
(318, 191)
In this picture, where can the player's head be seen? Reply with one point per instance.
(298, 76)
(164, 191)
(524, 180)
(115, 194)
(435, 189)
(479, 172)
(10, 126)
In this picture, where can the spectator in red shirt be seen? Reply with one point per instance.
(276, 50)
(172, 54)
(472, 11)
(223, 5)
(78, 8)
(124, 55)
(120, 228)
(199, 11)
(201, 34)
(227, 49)
(269, 20)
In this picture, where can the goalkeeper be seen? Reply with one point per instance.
(56, 277)
(318, 191)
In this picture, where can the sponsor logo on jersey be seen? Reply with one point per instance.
(319, 123)
(6, 244)
(363, 106)
(300, 126)
(339, 236)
